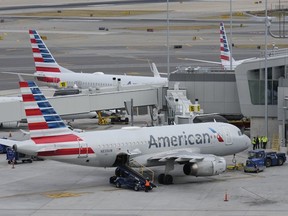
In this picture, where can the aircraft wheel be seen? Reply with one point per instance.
(168, 179)
(136, 188)
(112, 179)
(118, 185)
(161, 178)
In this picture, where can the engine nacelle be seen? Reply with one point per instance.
(209, 166)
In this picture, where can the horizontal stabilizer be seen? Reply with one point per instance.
(15, 73)
(8, 142)
(200, 60)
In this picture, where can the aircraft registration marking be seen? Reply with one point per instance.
(106, 150)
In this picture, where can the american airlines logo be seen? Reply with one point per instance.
(219, 137)
(179, 140)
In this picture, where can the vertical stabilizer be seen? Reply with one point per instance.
(47, 69)
(44, 124)
(225, 53)
(154, 69)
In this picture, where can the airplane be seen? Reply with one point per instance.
(225, 53)
(48, 71)
(198, 147)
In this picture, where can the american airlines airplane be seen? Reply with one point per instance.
(198, 147)
(48, 71)
(225, 53)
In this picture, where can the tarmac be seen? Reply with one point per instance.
(54, 188)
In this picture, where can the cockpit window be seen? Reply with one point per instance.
(240, 133)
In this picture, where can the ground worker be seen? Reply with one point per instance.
(261, 139)
(257, 141)
(147, 184)
(264, 140)
(254, 143)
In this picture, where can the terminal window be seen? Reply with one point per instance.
(256, 82)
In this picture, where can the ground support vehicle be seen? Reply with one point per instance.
(3, 149)
(13, 157)
(254, 165)
(119, 120)
(128, 178)
(259, 159)
(127, 182)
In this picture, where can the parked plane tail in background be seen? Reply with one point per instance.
(50, 72)
(225, 53)
(227, 61)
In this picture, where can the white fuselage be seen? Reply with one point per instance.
(141, 143)
(87, 80)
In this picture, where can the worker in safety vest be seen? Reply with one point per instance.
(261, 138)
(147, 185)
(254, 143)
(257, 141)
(264, 140)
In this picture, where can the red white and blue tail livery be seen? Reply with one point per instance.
(51, 73)
(225, 53)
(47, 69)
(46, 126)
(198, 147)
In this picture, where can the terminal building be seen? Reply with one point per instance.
(242, 92)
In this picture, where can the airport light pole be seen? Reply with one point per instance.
(167, 40)
(230, 57)
(266, 72)
(283, 124)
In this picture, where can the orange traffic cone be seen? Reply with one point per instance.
(226, 197)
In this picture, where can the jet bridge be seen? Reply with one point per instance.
(180, 108)
(89, 101)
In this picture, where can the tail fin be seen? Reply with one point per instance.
(154, 69)
(44, 60)
(225, 53)
(44, 124)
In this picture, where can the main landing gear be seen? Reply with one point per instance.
(166, 178)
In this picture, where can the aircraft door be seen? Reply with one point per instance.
(226, 135)
(83, 149)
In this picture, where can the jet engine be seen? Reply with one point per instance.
(209, 166)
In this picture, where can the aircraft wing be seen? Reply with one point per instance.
(178, 155)
(200, 60)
